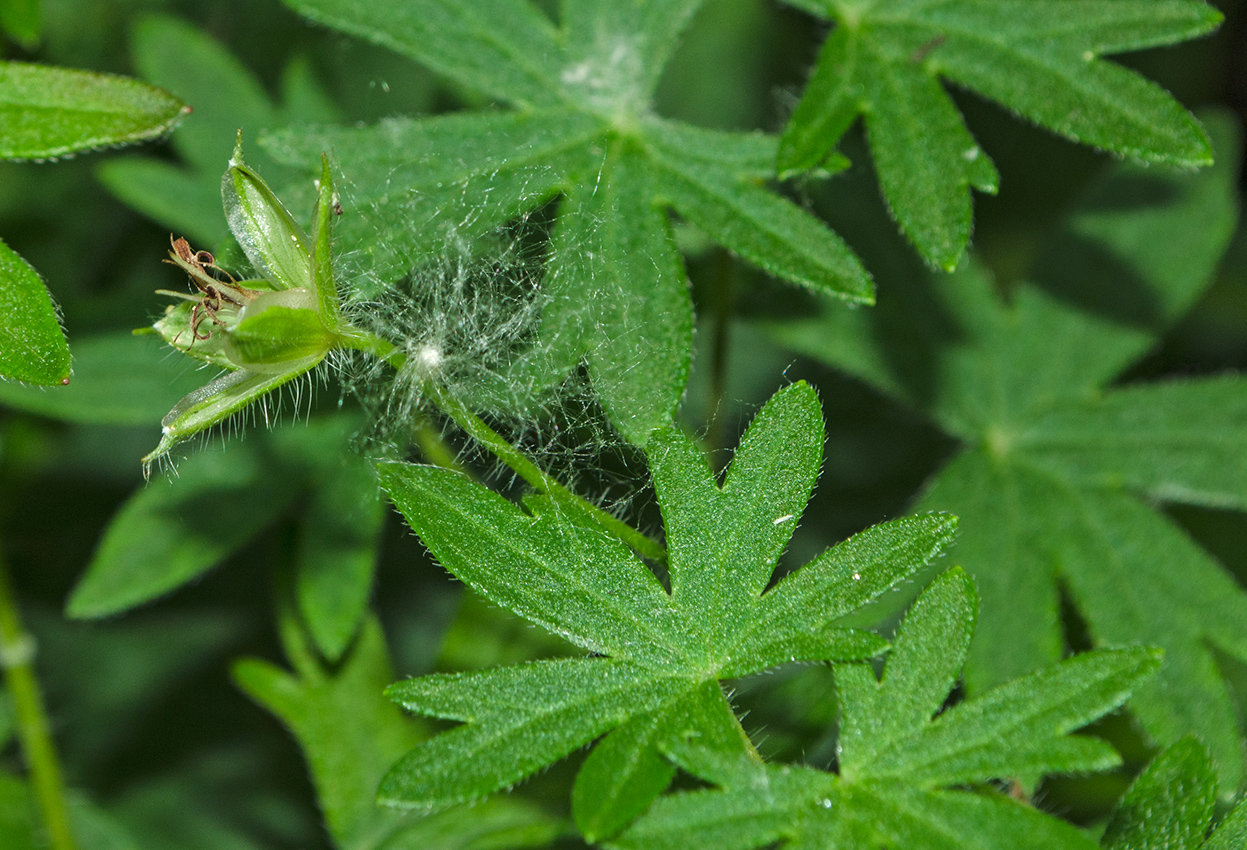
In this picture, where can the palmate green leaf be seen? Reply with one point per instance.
(1041, 59)
(583, 126)
(48, 112)
(615, 238)
(1058, 467)
(899, 755)
(1018, 728)
(659, 655)
(625, 772)
(32, 345)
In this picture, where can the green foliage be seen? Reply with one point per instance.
(20, 20)
(885, 60)
(21, 831)
(582, 126)
(337, 546)
(51, 112)
(1057, 465)
(350, 734)
(15, 823)
(118, 380)
(658, 655)
(183, 525)
(162, 540)
(528, 222)
(32, 346)
(901, 758)
(1171, 805)
(228, 97)
(45, 113)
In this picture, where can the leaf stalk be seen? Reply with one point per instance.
(497, 445)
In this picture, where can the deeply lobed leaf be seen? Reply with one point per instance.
(1038, 58)
(618, 295)
(666, 651)
(349, 733)
(898, 756)
(1057, 463)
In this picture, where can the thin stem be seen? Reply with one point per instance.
(541, 481)
(535, 476)
(17, 653)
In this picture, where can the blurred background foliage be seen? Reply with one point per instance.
(147, 717)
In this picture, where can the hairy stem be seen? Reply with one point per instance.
(533, 475)
(17, 655)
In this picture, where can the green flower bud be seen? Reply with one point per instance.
(265, 332)
(278, 330)
(273, 241)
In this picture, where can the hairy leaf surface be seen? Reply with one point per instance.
(48, 112)
(1059, 468)
(582, 125)
(1170, 806)
(900, 758)
(1041, 59)
(32, 345)
(657, 655)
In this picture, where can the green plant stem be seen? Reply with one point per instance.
(542, 481)
(534, 475)
(17, 657)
